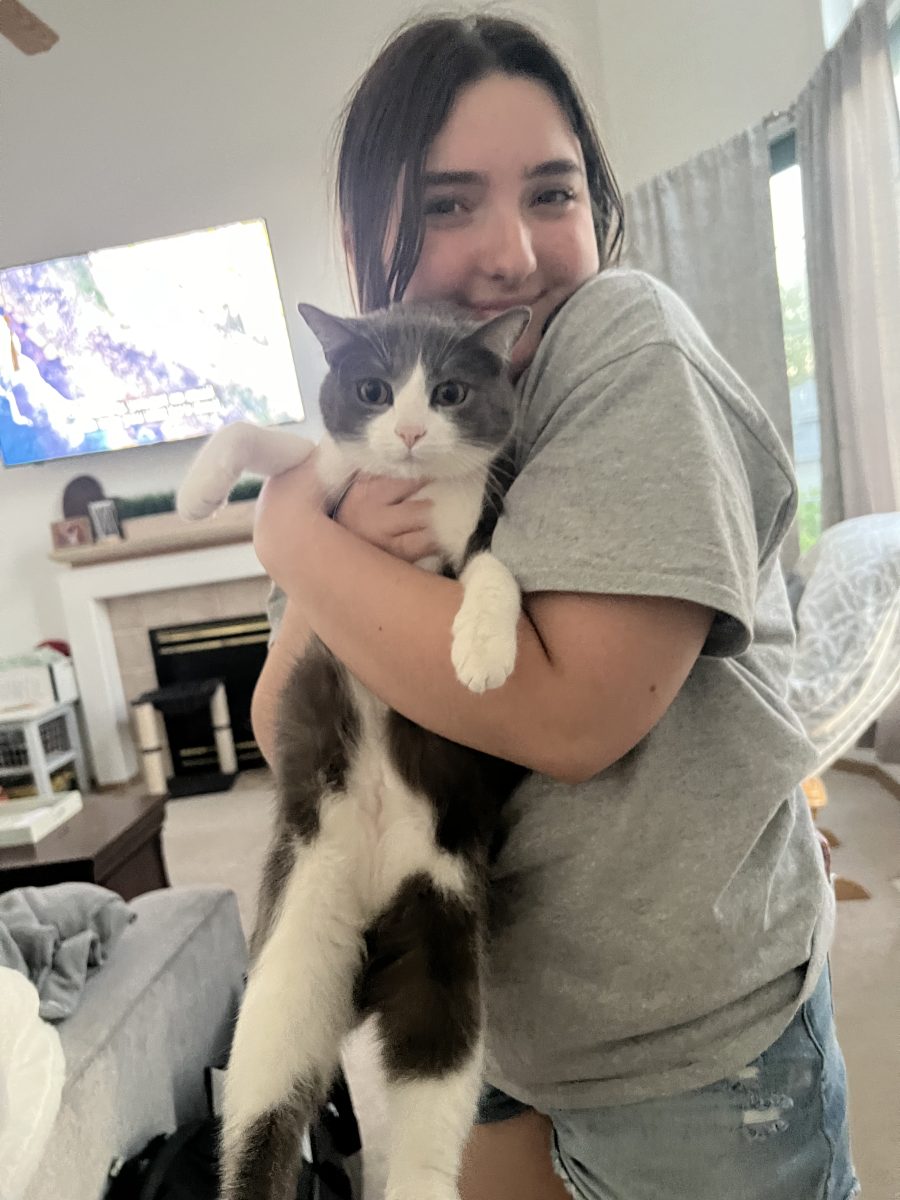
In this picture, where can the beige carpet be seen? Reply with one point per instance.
(222, 839)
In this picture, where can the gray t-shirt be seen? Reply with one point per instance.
(656, 928)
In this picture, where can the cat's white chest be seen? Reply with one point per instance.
(456, 513)
(383, 827)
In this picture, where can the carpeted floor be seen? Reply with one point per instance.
(222, 839)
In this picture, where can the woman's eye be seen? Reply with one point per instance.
(554, 196)
(447, 395)
(374, 391)
(445, 206)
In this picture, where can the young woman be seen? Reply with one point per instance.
(658, 998)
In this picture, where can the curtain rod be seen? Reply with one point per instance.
(780, 114)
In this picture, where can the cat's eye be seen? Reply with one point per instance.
(449, 394)
(374, 392)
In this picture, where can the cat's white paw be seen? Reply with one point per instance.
(214, 472)
(482, 656)
(199, 497)
(484, 645)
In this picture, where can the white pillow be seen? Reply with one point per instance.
(32, 1071)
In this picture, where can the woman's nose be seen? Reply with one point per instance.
(508, 252)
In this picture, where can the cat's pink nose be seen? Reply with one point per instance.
(410, 434)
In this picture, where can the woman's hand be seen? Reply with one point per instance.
(287, 510)
(386, 512)
(381, 510)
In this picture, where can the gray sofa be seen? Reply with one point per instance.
(149, 1023)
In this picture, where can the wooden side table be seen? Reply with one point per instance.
(114, 841)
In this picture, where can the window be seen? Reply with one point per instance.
(790, 254)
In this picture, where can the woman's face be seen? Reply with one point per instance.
(507, 210)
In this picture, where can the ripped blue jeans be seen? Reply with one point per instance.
(777, 1130)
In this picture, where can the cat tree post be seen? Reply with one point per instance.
(183, 700)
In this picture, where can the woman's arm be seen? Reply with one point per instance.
(289, 645)
(387, 513)
(593, 675)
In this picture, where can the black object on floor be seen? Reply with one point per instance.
(184, 1165)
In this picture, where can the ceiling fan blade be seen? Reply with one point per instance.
(27, 32)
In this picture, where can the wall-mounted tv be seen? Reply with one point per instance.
(154, 342)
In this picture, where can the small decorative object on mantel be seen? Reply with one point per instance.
(73, 531)
(150, 526)
(105, 520)
(131, 507)
(80, 493)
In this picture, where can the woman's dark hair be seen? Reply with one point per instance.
(400, 106)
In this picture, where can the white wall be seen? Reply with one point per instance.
(682, 76)
(158, 118)
(148, 119)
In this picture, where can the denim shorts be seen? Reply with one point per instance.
(777, 1130)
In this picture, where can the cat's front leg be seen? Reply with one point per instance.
(226, 455)
(486, 626)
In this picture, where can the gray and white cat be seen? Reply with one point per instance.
(374, 896)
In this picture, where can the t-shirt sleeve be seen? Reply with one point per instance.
(641, 482)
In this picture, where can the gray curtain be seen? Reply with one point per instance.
(848, 145)
(705, 229)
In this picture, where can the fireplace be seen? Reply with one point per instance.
(232, 649)
(110, 605)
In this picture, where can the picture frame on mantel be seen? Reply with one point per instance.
(105, 520)
(71, 532)
(162, 533)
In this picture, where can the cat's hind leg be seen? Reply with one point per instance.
(424, 982)
(298, 1007)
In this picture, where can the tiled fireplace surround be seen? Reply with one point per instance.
(109, 609)
(132, 616)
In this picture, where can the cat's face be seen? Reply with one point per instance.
(418, 390)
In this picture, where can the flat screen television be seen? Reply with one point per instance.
(154, 342)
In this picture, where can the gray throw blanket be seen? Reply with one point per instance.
(58, 935)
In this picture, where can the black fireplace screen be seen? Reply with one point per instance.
(232, 649)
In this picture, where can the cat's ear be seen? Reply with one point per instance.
(500, 334)
(335, 334)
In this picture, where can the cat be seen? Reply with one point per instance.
(374, 895)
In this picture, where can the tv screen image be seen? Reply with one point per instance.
(157, 341)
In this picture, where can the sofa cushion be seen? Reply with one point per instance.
(158, 1013)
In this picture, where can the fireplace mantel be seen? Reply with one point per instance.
(85, 596)
(165, 533)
